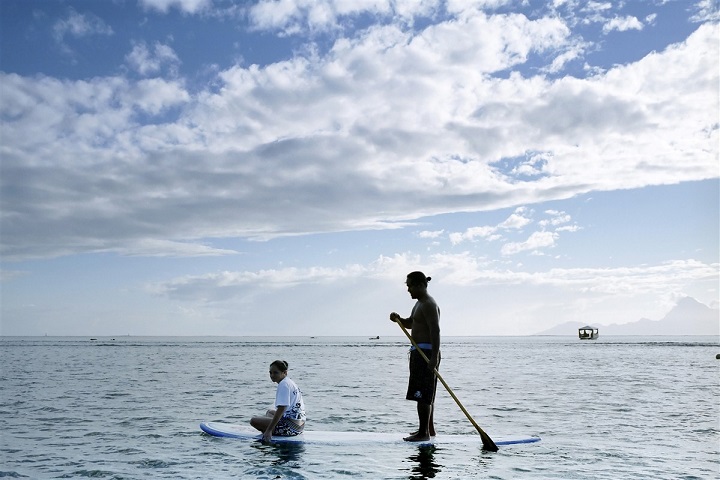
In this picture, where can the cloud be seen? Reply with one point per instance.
(223, 286)
(448, 271)
(296, 16)
(622, 24)
(472, 233)
(516, 221)
(78, 25)
(545, 238)
(706, 11)
(149, 61)
(431, 234)
(293, 147)
(662, 279)
(536, 241)
(167, 248)
(557, 218)
(185, 6)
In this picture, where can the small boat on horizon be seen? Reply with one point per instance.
(588, 333)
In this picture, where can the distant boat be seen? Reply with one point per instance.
(375, 338)
(588, 333)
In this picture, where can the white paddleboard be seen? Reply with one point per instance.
(221, 429)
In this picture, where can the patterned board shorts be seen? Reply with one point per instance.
(287, 428)
(423, 382)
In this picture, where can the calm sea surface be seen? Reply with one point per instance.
(129, 407)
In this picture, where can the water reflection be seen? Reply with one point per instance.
(424, 463)
(287, 453)
(278, 460)
(282, 454)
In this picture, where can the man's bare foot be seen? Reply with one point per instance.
(415, 433)
(417, 438)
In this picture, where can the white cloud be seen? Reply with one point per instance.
(556, 218)
(595, 6)
(296, 16)
(663, 280)
(155, 95)
(185, 6)
(536, 241)
(149, 61)
(290, 148)
(80, 25)
(706, 11)
(168, 248)
(431, 234)
(448, 271)
(232, 285)
(517, 220)
(472, 233)
(622, 24)
(460, 6)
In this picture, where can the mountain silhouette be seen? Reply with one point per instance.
(688, 317)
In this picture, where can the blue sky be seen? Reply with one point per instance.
(208, 167)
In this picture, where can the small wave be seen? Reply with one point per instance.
(89, 474)
(12, 475)
(150, 463)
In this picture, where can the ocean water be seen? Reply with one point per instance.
(129, 407)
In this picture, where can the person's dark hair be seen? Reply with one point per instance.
(414, 278)
(281, 365)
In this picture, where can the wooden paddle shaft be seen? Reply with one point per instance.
(487, 441)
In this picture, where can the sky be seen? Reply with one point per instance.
(277, 167)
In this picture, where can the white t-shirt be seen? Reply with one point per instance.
(288, 394)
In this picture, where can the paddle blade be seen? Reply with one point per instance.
(488, 444)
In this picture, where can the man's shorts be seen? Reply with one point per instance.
(287, 428)
(423, 382)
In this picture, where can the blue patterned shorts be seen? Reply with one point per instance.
(287, 428)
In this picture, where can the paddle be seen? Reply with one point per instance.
(488, 444)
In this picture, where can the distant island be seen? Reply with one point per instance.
(688, 317)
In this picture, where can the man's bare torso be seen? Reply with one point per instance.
(424, 313)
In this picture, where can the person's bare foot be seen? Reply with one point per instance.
(415, 433)
(417, 438)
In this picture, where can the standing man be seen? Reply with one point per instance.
(425, 324)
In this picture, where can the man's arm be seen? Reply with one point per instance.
(405, 322)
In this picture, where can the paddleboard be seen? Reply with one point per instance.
(230, 430)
